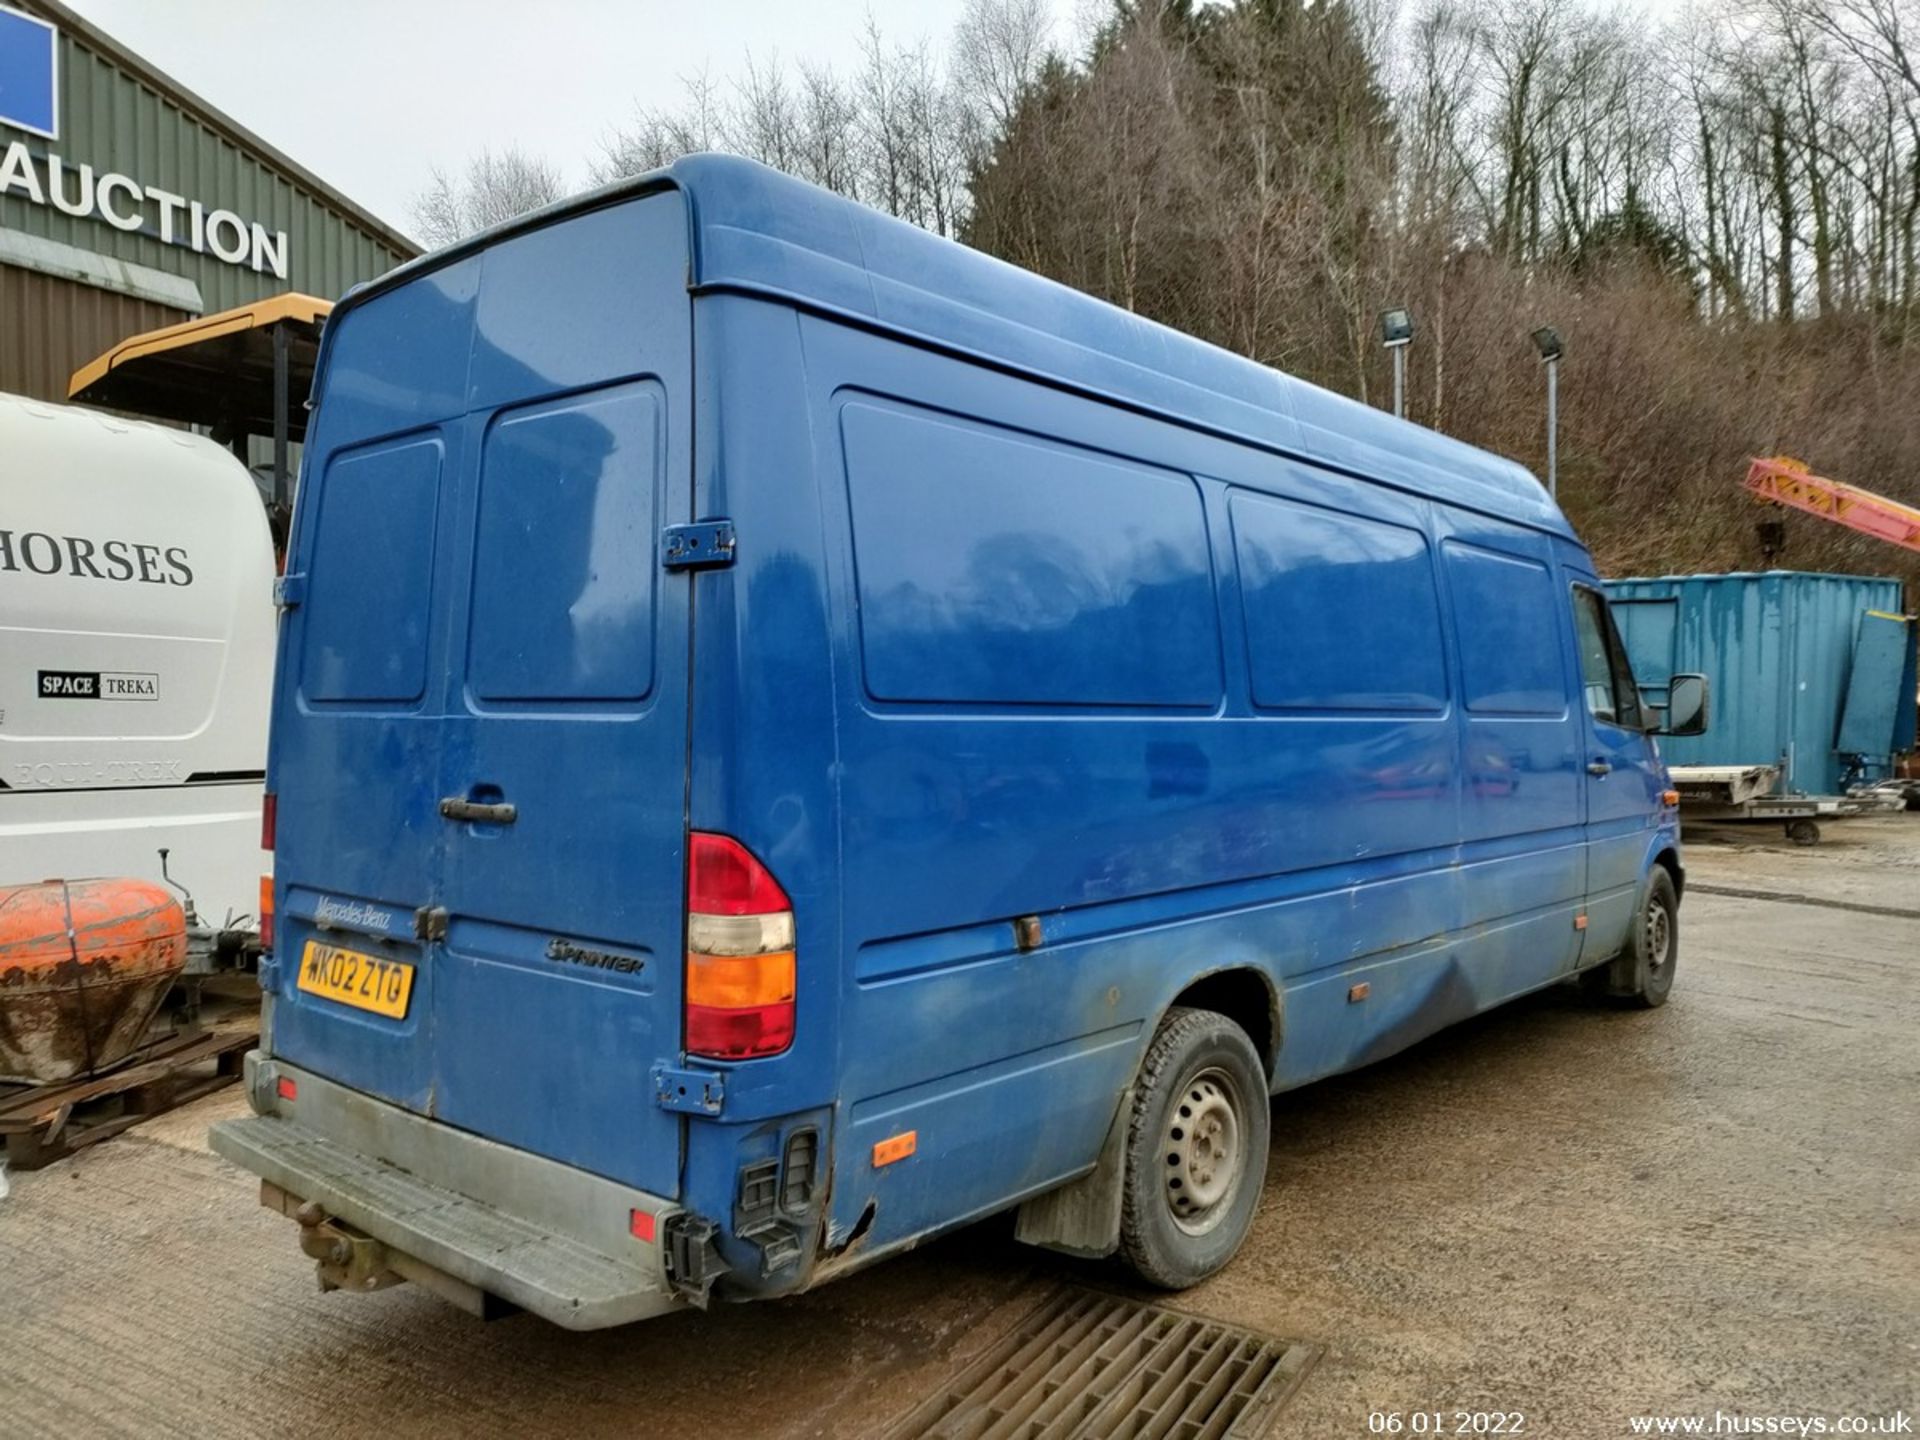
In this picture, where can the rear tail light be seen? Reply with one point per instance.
(723, 878)
(269, 819)
(266, 912)
(740, 971)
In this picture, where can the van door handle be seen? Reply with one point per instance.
(1594, 767)
(501, 813)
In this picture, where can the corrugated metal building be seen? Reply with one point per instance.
(1814, 673)
(128, 203)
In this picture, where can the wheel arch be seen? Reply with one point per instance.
(1082, 1217)
(1246, 995)
(1668, 859)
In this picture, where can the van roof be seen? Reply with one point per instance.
(758, 231)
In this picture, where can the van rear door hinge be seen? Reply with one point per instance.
(692, 1092)
(289, 591)
(703, 545)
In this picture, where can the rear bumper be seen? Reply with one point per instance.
(549, 1238)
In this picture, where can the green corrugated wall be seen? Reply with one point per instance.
(114, 121)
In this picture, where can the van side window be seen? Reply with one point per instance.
(1511, 661)
(1604, 676)
(1001, 568)
(375, 515)
(1313, 584)
(574, 481)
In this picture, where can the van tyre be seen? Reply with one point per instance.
(1196, 1149)
(1642, 975)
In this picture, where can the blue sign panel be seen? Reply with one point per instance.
(29, 74)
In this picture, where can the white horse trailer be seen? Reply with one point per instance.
(136, 657)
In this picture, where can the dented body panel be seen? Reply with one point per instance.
(1060, 669)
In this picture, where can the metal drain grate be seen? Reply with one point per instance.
(1093, 1365)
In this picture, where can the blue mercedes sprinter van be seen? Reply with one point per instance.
(791, 736)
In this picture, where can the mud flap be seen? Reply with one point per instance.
(1082, 1217)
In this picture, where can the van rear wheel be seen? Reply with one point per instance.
(1196, 1149)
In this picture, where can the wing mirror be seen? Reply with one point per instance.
(1686, 707)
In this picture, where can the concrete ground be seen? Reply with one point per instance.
(1583, 1215)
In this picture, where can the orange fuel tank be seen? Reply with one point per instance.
(83, 966)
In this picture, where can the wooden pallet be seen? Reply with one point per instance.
(43, 1123)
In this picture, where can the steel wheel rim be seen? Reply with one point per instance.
(1659, 937)
(1203, 1151)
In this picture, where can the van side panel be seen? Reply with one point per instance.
(1175, 828)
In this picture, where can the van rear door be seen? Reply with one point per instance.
(481, 727)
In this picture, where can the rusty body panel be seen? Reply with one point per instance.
(83, 966)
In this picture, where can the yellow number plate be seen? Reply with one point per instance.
(348, 977)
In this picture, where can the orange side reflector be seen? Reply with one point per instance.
(895, 1147)
(1579, 922)
(286, 1089)
(641, 1223)
(1669, 797)
(1357, 993)
(738, 982)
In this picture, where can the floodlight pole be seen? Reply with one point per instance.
(1553, 426)
(1396, 333)
(1547, 340)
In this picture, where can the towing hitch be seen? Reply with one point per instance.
(344, 1259)
(348, 1259)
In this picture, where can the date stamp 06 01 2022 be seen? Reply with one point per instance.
(1446, 1422)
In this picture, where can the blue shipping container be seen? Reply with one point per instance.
(1812, 672)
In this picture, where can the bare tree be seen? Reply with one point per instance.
(1437, 183)
(656, 137)
(998, 49)
(894, 136)
(764, 122)
(495, 186)
(829, 141)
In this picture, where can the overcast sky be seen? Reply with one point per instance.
(369, 94)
